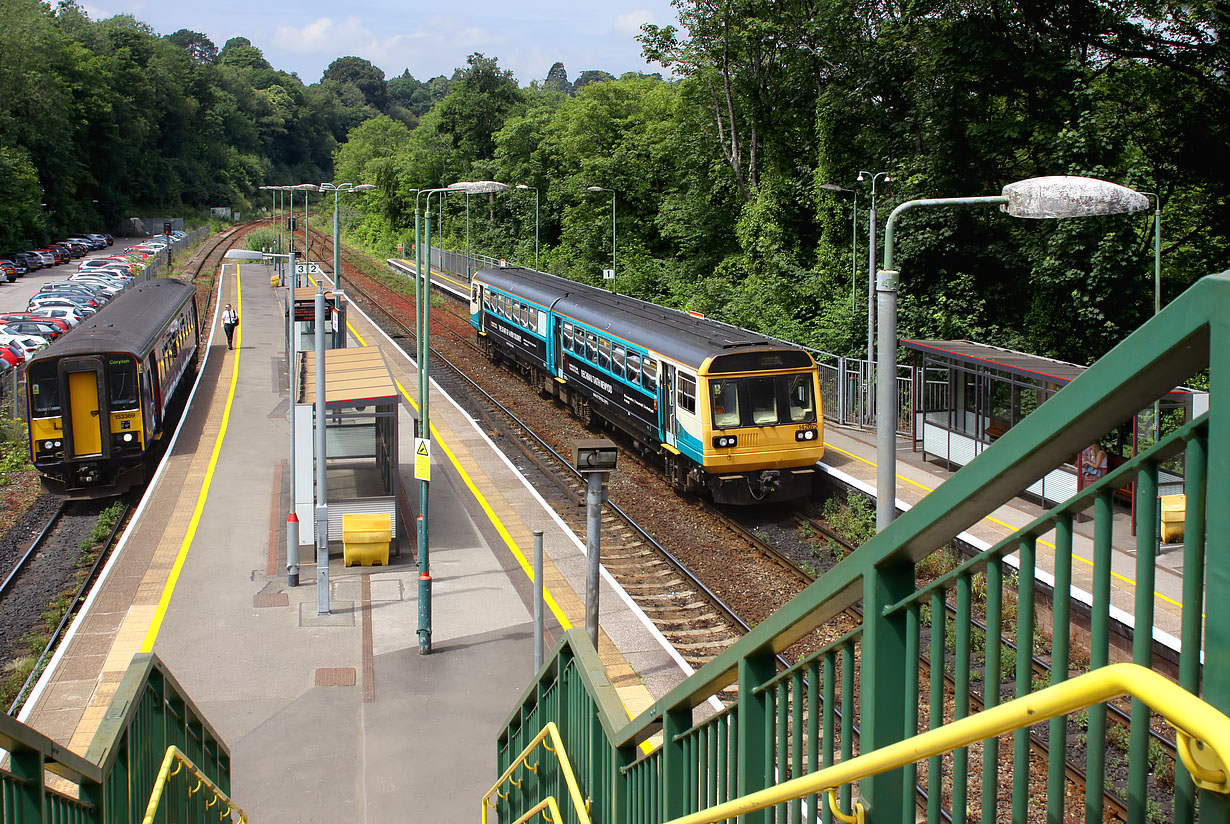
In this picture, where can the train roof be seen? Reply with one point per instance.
(678, 335)
(130, 322)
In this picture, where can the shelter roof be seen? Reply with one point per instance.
(353, 377)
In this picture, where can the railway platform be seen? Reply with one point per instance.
(333, 717)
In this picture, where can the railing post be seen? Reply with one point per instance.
(881, 696)
(675, 766)
(1213, 806)
(27, 799)
(754, 771)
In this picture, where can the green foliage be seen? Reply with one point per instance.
(855, 520)
(14, 449)
(259, 240)
(107, 519)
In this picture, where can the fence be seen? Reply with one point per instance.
(874, 711)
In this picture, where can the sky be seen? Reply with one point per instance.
(429, 39)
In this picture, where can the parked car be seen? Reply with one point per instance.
(102, 263)
(32, 262)
(58, 325)
(44, 257)
(68, 314)
(81, 305)
(100, 278)
(59, 254)
(74, 250)
(22, 268)
(27, 330)
(78, 290)
(9, 358)
(93, 242)
(28, 345)
(8, 271)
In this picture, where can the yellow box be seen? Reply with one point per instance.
(1174, 511)
(366, 538)
(274, 281)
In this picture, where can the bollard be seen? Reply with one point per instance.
(292, 546)
(538, 600)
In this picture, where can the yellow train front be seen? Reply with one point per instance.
(98, 398)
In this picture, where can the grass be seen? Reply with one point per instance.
(14, 449)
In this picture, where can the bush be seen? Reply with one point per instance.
(258, 240)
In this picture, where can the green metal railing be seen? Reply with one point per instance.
(884, 682)
(113, 782)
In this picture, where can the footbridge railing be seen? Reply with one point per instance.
(149, 720)
(914, 659)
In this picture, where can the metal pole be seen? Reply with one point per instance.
(886, 362)
(593, 541)
(424, 549)
(614, 274)
(467, 237)
(337, 238)
(322, 494)
(536, 230)
(539, 629)
(307, 240)
(853, 251)
(292, 520)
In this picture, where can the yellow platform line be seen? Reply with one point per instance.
(1008, 526)
(151, 635)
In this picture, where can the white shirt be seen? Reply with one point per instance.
(229, 316)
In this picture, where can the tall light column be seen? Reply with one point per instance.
(337, 189)
(1039, 197)
(307, 240)
(612, 191)
(535, 188)
(868, 410)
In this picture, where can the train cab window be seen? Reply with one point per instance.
(802, 403)
(45, 391)
(617, 361)
(762, 398)
(634, 367)
(591, 345)
(725, 396)
(122, 384)
(649, 377)
(687, 393)
(604, 353)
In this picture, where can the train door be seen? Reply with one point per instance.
(87, 414)
(669, 422)
(476, 299)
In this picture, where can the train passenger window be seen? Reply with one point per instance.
(687, 393)
(634, 367)
(802, 403)
(649, 377)
(725, 396)
(762, 398)
(526, 314)
(542, 323)
(591, 344)
(122, 384)
(487, 301)
(567, 337)
(604, 353)
(617, 361)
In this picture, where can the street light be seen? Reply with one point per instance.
(337, 226)
(1040, 197)
(474, 187)
(307, 240)
(871, 290)
(612, 191)
(1157, 290)
(833, 187)
(535, 188)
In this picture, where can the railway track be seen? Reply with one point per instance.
(50, 570)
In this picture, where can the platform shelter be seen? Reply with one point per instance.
(361, 439)
(305, 319)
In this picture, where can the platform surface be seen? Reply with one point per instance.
(337, 716)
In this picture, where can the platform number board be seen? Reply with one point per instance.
(308, 269)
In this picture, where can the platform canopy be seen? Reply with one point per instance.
(353, 377)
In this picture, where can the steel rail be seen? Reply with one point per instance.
(29, 553)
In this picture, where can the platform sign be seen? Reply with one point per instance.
(608, 274)
(307, 269)
(422, 459)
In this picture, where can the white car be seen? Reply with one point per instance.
(100, 263)
(65, 313)
(28, 345)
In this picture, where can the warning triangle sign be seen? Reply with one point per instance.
(422, 447)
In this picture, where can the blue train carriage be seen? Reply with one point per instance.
(729, 412)
(98, 397)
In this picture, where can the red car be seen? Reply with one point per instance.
(60, 323)
(9, 356)
(61, 254)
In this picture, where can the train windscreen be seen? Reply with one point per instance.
(762, 401)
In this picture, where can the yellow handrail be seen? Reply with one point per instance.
(164, 774)
(570, 780)
(1205, 756)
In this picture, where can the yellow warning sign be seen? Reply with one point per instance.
(422, 459)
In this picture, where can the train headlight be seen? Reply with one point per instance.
(127, 437)
(48, 444)
(725, 441)
(805, 435)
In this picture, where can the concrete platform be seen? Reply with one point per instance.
(334, 717)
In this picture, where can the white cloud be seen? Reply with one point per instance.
(630, 23)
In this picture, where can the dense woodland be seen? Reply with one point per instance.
(716, 153)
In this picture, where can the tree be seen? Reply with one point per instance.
(477, 105)
(590, 76)
(200, 47)
(557, 79)
(363, 76)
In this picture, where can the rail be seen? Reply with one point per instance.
(148, 714)
(1205, 755)
(784, 725)
(556, 748)
(181, 762)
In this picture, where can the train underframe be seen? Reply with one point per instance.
(683, 474)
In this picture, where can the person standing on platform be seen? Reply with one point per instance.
(230, 319)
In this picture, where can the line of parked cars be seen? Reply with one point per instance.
(62, 304)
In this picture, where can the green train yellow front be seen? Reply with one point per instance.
(727, 410)
(98, 397)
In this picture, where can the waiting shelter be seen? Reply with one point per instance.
(967, 395)
(362, 404)
(305, 319)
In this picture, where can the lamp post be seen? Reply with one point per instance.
(1157, 290)
(833, 187)
(869, 408)
(337, 189)
(535, 188)
(1039, 197)
(612, 191)
(307, 240)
